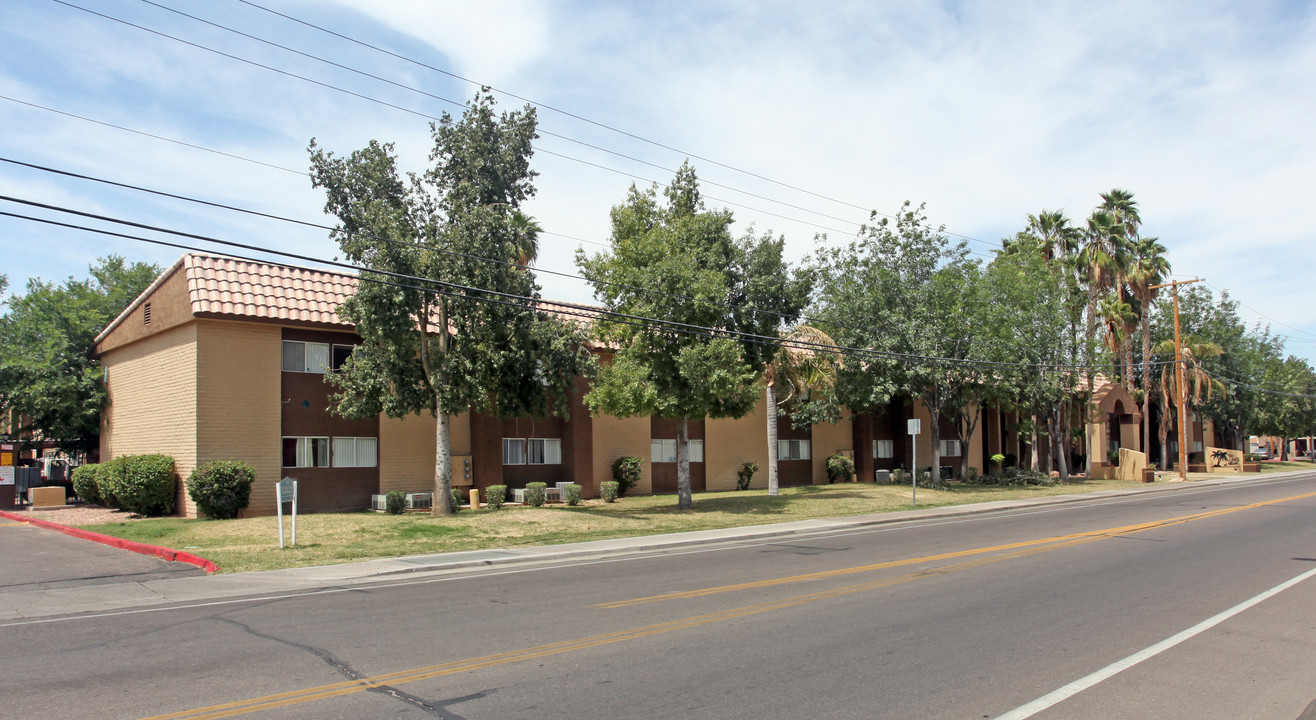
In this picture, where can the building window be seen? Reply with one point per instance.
(340, 354)
(544, 451)
(1197, 446)
(356, 451)
(513, 451)
(307, 357)
(665, 450)
(1173, 446)
(306, 452)
(884, 449)
(532, 451)
(950, 448)
(793, 449)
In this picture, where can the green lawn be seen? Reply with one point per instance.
(253, 544)
(1271, 466)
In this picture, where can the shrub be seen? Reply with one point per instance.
(495, 496)
(973, 474)
(571, 493)
(839, 467)
(745, 475)
(395, 502)
(459, 496)
(534, 494)
(626, 470)
(897, 476)
(84, 483)
(1018, 476)
(608, 490)
(221, 488)
(146, 485)
(107, 477)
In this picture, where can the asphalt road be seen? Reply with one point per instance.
(1171, 605)
(33, 558)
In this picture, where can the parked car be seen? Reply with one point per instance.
(1262, 453)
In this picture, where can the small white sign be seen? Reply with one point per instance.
(915, 426)
(286, 491)
(6, 475)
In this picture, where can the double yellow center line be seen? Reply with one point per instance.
(976, 557)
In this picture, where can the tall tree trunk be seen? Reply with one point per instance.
(967, 429)
(683, 499)
(1061, 444)
(442, 502)
(1034, 459)
(934, 415)
(772, 437)
(1165, 436)
(1146, 384)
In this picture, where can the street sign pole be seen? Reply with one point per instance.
(286, 491)
(914, 428)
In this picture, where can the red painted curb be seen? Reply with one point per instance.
(141, 548)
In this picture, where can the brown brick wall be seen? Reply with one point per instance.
(238, 402)
(617, 437)
(170, 307)
(728, 444)
(152, 386)
(406, 450)
(829, 440)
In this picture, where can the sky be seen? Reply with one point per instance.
(802, 118)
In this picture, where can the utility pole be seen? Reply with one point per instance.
(1179, 376)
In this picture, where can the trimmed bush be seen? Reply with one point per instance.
(571, 493)
(146, 484)
(839, 467)
(745, 475)
(221, 488)
(495, 496)
(107, 477)
(458, 497)
(608, 490)
(84, 483)
(626, 470)
(395, 502)
(534, 494)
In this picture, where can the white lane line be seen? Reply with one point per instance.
(1078, 686)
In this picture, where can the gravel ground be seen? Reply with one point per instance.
(80, 515)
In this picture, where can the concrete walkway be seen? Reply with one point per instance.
(31, 605)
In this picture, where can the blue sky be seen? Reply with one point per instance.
(984, 111)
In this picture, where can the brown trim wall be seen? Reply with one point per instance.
(306, 412)
(664, 473)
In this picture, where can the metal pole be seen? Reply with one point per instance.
(1183, 411)
(913, 454)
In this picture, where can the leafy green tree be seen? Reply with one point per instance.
(1290, 407)
(677, 263)
(48, 375)
(1034, 316)
(447, 343)
(904, 293)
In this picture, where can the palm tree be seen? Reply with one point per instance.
(1148, 266)
(1056, 237)
(1195, 379)
(805, 362)
(1125, 209)
(1120, 319)
(525, 238)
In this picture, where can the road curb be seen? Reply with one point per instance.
(129, 545)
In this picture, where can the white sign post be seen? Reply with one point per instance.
(286, 491)
(914, 429)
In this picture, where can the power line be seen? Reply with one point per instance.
(1262, 315)
(457, 287)
(427, 116)
(456, 103)
(150, 135)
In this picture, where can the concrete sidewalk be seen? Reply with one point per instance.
(24, 606)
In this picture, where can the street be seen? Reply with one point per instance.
(968, 617)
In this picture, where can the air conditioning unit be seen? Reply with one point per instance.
(417, 501)
(378, 503)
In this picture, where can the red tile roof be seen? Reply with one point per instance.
(228, 286)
